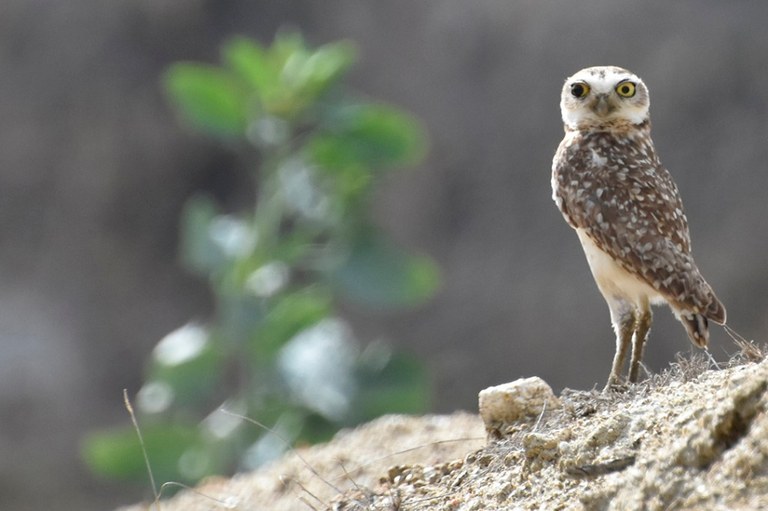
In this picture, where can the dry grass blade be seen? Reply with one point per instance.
(749, 349)
(288, 444)
(129, 407)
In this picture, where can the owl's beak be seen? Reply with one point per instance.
(601, 105)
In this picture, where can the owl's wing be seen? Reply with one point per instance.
(639, 222)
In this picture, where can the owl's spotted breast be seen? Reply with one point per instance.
(618, 192)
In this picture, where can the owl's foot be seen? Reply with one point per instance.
(616, 387)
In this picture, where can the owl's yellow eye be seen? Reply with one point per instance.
(579, 89)
(625, 89)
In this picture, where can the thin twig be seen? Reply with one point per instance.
(129, 407)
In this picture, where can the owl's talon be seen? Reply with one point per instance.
(616, 388)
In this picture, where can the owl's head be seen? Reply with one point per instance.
(604, 96)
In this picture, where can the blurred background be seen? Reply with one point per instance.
(94, 170)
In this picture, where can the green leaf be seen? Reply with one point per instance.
(188, 361)
(210, 98)
(351, 178)
(324, 66)
(288, 76)
(117, 454)
(290, 315)
(369, 136)
(288, 44)
(316, 429)
(254, 64)
(379, 274)
(400, 386)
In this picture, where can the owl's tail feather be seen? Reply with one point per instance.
(697, 327)
(716, 311)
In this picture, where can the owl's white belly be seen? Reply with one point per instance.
(614, 281)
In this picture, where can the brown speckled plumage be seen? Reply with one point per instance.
(611, 187)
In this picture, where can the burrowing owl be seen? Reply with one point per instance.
(611, 187)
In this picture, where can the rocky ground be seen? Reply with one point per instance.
(689, 439)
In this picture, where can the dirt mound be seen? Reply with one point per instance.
(689, 439)
(356, 460)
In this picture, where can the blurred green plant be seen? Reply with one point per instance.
(275, 349)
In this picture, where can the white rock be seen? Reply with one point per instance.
(520, 400)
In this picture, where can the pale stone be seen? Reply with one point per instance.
(520, 400)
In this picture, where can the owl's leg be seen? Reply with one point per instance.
(623, 319)
(644, 319)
